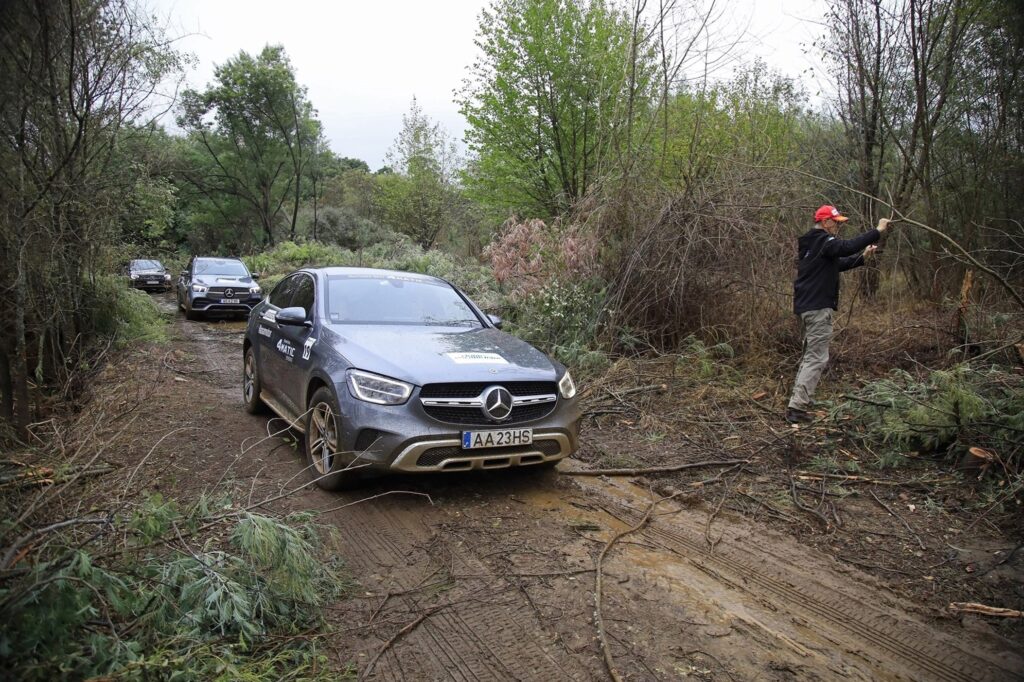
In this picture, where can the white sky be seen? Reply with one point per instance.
(363, 61)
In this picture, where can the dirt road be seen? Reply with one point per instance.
(491, 577)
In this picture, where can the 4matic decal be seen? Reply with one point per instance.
(286, 349)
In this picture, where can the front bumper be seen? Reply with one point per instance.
(203, 304)
(156, 285)
(403, 438)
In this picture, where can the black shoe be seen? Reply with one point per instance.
(795, 416)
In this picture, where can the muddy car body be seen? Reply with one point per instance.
(148, 274)
(396, 372)
(217, 286)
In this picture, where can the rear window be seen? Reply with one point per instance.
(394, 299)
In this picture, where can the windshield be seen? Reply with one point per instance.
(211, 266)
(146, 265)
(394, 299)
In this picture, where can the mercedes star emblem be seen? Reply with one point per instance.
(497, 403)
(229, 292)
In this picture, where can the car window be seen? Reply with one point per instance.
(216, 266)
(282, 294)
(146, 265)
(304, 294)
(394, 299)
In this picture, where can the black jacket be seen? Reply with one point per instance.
(820, 259)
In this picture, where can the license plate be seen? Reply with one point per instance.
(230, 300)
(496, 439)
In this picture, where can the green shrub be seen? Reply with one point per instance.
(190, 609)
(123, 313)
(946, 412)
(561, 315)
(702, 362)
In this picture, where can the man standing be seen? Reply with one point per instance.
(820, 259)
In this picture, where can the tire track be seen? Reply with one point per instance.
(908, 642)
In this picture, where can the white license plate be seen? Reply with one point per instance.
(496, 439)
(230, 300)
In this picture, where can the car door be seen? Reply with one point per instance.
(296, 345)
(268, 334)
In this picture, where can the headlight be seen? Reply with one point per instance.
(254, 290)
(566, 386)
(133, 276)
(199, 288)
(167, 277)
(374, 388)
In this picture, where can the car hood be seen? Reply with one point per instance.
(424, 355)
(222, 281)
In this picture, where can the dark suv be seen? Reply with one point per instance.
(217, 286)
(150, 275)
(397, 372)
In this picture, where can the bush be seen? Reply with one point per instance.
(199, 611)
(343, 227)
(561, 318)
(123, 313)
(946, 412)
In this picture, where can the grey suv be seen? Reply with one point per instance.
(393, 371)
(217, 285)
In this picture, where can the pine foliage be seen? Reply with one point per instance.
(171, 605)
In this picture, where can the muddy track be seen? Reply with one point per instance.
(838, 614)
(485, 577)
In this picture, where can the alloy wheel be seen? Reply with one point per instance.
(249, 378)
(323, 437)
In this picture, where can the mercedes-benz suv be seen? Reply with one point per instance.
(387, 371)
(217, 286)
(149, 275)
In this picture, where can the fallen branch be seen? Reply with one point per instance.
(846, 478)
(398, 635)
(901, 519)
(656, 470)
(971, 607)
(598, 587)
(804, 508)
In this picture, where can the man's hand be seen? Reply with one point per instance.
(883, 225)
(870, 251)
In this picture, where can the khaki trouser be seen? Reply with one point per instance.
(816, 328)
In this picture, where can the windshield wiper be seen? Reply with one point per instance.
(450, 323)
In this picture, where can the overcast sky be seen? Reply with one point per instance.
(363, 62)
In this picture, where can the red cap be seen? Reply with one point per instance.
(829, 212)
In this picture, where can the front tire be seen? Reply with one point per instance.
(251, 386)
(329, 467)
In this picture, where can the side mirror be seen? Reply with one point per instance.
(496, 321)
(255, 275)
(295, 316)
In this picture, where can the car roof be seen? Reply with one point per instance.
(337, 271)
(218, 258)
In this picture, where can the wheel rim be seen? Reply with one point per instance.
(249, 378)
(323, 438)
